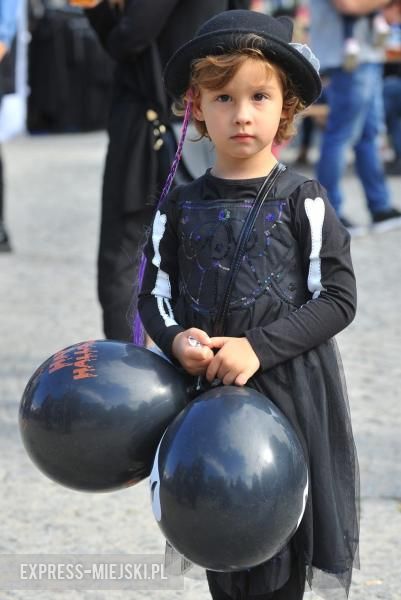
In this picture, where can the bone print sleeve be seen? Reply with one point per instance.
(160, 283)
(325, 249)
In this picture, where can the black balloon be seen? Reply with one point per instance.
(92, 415)
(229, 483)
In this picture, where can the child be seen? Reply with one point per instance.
(295, 287)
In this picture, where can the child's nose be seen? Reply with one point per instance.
(242, 114)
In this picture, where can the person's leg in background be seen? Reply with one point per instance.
(306, 133)
(120, 250)
(392, 108)
(125, 213)
(344, 94)
(368, 162)
(4, 239)
(355, 119)
(351, 45)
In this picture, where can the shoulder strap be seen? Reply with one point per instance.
(290, 183)
(266, 187)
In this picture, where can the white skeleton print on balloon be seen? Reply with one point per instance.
(154, 482)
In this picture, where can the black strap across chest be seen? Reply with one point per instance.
(219, 327)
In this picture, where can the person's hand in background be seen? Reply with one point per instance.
(94, 3)
(85, 3)
(3, 50)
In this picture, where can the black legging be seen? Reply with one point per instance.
(292, 590)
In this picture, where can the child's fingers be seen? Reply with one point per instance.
(213, 368)
(195, 370)
(196, 367)
(196, 360)
(199, 353)
(229, 378)
(218, 342)
(199, 335)
(241, 379)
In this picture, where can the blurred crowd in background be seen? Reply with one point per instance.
(69, 75)
(82, 65)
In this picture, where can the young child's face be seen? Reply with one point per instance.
(242, 117)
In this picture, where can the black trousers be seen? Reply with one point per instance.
(122, 237)
(1, 189)
(1, 175)
(133, 178)
(292, 590)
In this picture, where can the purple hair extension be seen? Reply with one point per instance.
(138, 332)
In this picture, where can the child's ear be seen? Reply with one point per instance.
(197, 111)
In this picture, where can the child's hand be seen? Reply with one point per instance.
(235, 362)
(3, 50)
(194, 358)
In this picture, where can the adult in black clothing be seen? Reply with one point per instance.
(140, 37)
(8, 25)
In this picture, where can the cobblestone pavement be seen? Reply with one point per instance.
(48, 301)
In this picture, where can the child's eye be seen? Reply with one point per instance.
(259, 97)
(223, 98)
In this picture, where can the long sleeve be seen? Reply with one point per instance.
(8, 20)
(160, 284)
(326, 256)
(125, 35)
(140, 24)
(103, 18)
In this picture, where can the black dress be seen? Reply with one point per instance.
(295, 290)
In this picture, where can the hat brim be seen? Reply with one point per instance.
(302, 73)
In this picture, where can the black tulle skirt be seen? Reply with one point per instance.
(310, 390)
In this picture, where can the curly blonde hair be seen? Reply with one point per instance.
(214, 72)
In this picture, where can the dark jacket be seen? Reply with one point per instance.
(141, 40)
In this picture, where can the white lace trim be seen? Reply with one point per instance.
(308, 54)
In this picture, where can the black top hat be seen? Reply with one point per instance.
(216, 36)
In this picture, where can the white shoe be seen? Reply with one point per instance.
(351, 54)
(381, 30)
